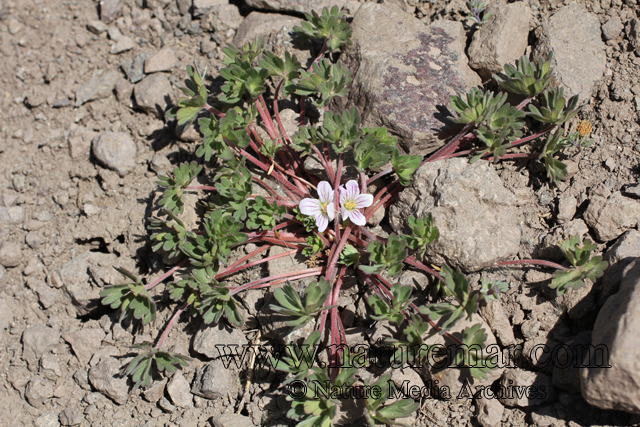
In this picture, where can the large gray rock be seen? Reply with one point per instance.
(261, 24)
(212, 340)
(178, 391)
(573, 35)
(214, 381)
(84, 343)
(610, 379)
(11, 215)
(612, 216)
(100, 86)
(36, 341)
(10, 254)
(301, 6)
(476, 215)
(231, 420)
(105, 377)
(489, 412)
(222, 18)
(537, 386)
(502, 40)
(116, 150)
(406, 84)
(154, 94)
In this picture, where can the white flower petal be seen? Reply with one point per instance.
(343, 194)
(322, 222)
(352, 189)
(364, 201)
(325, 192)
(331, 210)
(310, 206)
(357, 217)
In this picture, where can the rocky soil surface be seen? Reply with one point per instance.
(83, 137)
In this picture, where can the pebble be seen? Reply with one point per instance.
(71, 417)
(96, 27)
(208, 338)
(33, 240)
(166, 406)
(38, 390)
(12, 215)
(109, 10)
(47, 420)
(100, 86)
(124, 44)
(36, 341)
(231, 420)
(135, 69)
(10, 254)
(115, 150)
(215, 381)
(105, 378)
(164, 60)
(632, 190)
(179, 391)
(14, 26)
(6, 316)
(151, 94)
(612, 28)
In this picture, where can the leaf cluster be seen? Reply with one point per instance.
(169, 235)
(131, 298)
(423, 233)
(400, 301)
(188, 108)
(264, 215)
(527, 78)
(325, 79)
(556, 110)
(176, 183)
(376, 413)
(291, 305)
(456, 285)
(140, 367)
(331, 26)
(389, 256)
(584, 265)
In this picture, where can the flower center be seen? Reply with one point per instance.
(350, 205)
(323, 206)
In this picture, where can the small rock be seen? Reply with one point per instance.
(135, 70)
(221, 19)
(105, 377)
(124, 44)
(263, 24)
(633, 34)
(155, 392)
(109, 10)
(6, 316)
(502, 40)
(166, 406)
(11, 215)
(62, 103)
(152, 94)
(518, 379)
(10, 254)
(38, 391)
(90, 210)
(179, 391)
(631, 190)
(184, 6)
(545, 417)
(611, 382)
(613, 216)
(36, 341)
(497, 319)
(14, 26)
(202, 6)
(610, 164)
(489, 412)
(100, 86)
(124, 93)
(47, 296)
(567, 205)
(71, 417)
(573, 34)
(300, 6)
(476, 215)
(84, 343)
(47, 420)
(231, 420)
(612, 28)
(208, 338)
(215, 381)
(163, 60)
(207, 46)
(116, 150)
(96, 27)
(81, 377)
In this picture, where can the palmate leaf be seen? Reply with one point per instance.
(405, 166)
(331, 25)
(188, 108)
(584, 265)
(132, 299)
(140, 367)
(175, 184)
(401, 299)
(168, 234)
(316, 295)
(389, 256)
(424, 233)
(527, 78)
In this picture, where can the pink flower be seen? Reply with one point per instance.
(352, 201)
(323, 208)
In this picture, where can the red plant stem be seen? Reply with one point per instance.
(266, 186)
(323, 162)
(201, 187)
(266, 118)
(245, 258)
(324, 239)
(303, 104)
(298, 180)
(289, 237)
(165, 275)
(327, 157)
(275, 242)
(380, 175)
(214, 111)
(254, 263)
(415, 263)
(336, 181)
(331, 269)
(524, 103)
(450, 147)
(173, 320)
(534, 261)
(292, 275)
(382, 201)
